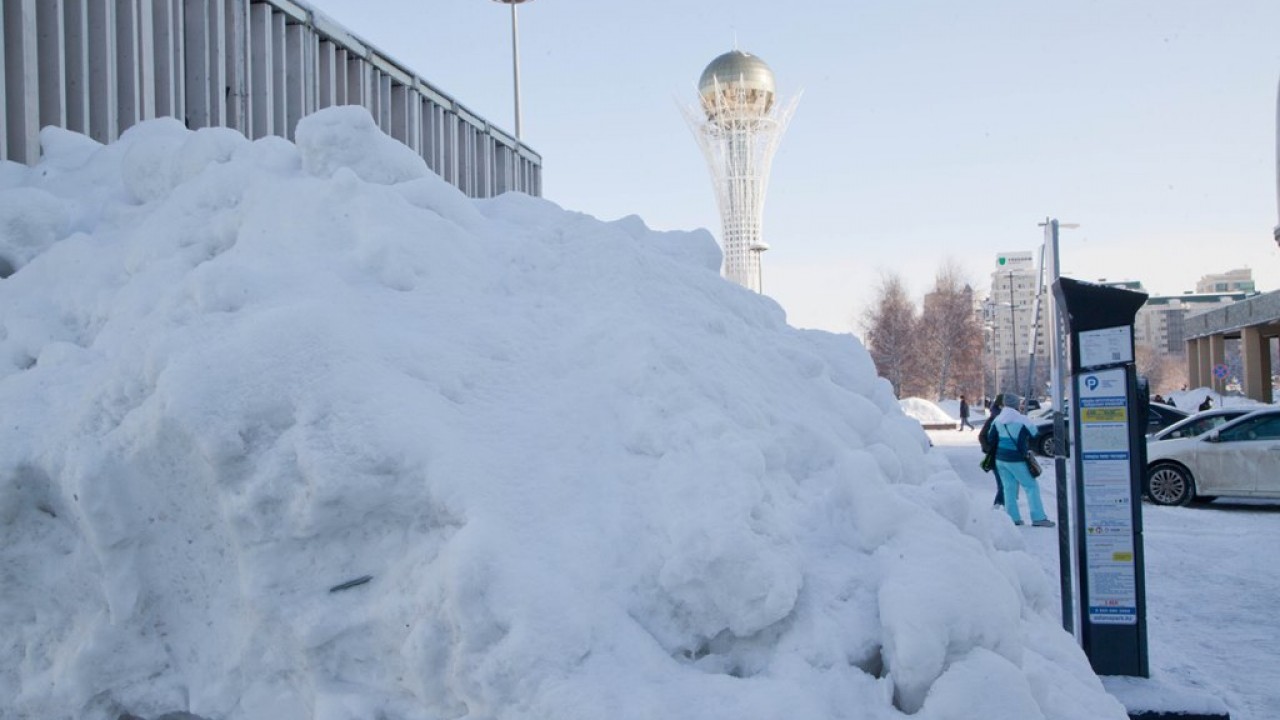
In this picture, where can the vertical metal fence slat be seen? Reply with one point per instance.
(52, 62)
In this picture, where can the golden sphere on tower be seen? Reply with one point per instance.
(737, 81)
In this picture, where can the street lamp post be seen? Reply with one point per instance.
(1057, 381)
(995, 355)
(994, 315)
(1013, 332)
(515, 57)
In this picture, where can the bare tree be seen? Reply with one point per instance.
(1165, 373)
(889, 331)
(950, 335)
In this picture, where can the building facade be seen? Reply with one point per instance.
(97, 67)
(1017, 332)
(1231, 281)
(1173, 328)
(1016, 327)
(1161, 322)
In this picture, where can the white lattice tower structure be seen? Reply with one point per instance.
(738, 123)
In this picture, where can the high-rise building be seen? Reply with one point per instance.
(738, 122)
(1013, 327)
(1231, 281)
(1159, 323)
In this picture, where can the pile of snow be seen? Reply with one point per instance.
(1190, 400)
(301, 432)
(927, 411)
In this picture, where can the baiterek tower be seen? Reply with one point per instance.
(738, 123)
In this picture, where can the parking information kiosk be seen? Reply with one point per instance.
(1108, 421)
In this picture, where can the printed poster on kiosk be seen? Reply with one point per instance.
(1108, 497)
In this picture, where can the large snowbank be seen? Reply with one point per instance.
(586, 477)
(926, 411)
(1190, 400)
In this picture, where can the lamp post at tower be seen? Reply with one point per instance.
(515, 56)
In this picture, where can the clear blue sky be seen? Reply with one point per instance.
(928, 129)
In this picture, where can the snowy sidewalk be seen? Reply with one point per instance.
(1213, 583)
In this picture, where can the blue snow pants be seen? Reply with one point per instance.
(1014, 474)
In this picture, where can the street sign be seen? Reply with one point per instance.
(1220, 371)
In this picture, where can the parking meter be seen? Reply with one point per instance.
(1108, 418)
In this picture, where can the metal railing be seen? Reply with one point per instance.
(98, 67)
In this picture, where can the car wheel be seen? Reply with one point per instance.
(1169, 484)
(1047, 447)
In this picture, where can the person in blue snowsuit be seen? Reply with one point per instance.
(1012, 432)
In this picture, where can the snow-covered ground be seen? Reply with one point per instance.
(1213, 587)
(942, 412)
(925, 411)
(301, 432)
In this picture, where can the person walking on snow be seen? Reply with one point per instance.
(964, 414)
(1011, 432)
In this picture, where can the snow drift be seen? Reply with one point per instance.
(926, 412)
(298, 431)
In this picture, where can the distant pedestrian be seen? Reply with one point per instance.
(1011, 433)
(1158, 399)
(988, 448)
(964, 414)
(1171, 402)
(1207, 404)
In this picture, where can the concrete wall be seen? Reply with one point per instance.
(99, 66)
(1257, 310)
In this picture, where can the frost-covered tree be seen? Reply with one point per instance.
(950, 336)
(1165, 373)
(889, 327)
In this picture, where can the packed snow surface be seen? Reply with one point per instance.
(299, 431)
(927, 411)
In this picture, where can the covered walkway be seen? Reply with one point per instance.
(1255, 323)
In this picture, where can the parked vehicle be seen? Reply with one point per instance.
(1240, 458)
(1200, 423)
(1159, 417)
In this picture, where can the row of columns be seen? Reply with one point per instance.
(1206, 353)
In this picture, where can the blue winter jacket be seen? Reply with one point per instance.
(1013, 440)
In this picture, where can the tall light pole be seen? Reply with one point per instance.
(515, 56)
(993, 312)
(1057, 383)
(995, 348)
(1013, 332)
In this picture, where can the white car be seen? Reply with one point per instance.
(1201, 423)
(1241, 459)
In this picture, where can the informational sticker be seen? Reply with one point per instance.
(1106, 347)
(1108, 497)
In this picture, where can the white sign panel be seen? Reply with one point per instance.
(1108, 497)
(1106, 347)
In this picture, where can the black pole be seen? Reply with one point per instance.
(1057, 325)
(1013, 340)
